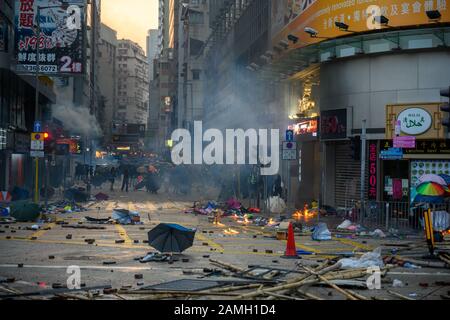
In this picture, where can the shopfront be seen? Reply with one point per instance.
(307, 184)
(429, 153)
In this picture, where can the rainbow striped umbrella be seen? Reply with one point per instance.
(446, 178)
(431, 189)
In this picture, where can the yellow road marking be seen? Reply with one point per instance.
(354, 244)
(40, 233)
(151, 206)
(131, 206)
(211, 243)
(123, 234)
(199, 249)
(110, 206)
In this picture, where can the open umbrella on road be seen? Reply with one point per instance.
(171, 238)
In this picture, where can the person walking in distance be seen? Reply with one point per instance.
(112, 178)
(126, 179)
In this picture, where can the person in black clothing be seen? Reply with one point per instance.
(277, 188)
(126, 179)
(112, 178)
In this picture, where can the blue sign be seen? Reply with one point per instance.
(37, 126)
(392, 154)
(289, 135)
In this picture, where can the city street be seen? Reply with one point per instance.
(265, 150)
(39, 260)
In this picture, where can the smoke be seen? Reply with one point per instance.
(77, 120)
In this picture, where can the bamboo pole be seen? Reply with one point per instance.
(309, 295)
(337, 288)
(357, 295)
(292, 284)
(231, 289)
(281, 296)
(400, 296)
(179, 293)
(227, 266)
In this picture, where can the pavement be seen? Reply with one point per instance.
(39, 259)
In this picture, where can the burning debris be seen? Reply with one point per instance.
(305, 215)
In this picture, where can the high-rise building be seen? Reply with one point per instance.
(152, 51)
(107, 79)
(164, 101)
(193, 33)
(132, 84)
(17, 108)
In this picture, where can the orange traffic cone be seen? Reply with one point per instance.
(291, 250)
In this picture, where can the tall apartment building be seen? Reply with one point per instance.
(164, 100)
(152, 51)
(132, 84)
(107, 79)
(193, 32)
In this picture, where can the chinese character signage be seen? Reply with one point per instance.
(437, 147)
(61, 38)
(415, 120)
(291, 17)
(373, 171)
(333, 124)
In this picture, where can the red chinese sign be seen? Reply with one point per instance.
(373, 171)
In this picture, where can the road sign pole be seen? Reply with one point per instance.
(36, 185)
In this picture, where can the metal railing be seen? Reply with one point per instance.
(401, 216)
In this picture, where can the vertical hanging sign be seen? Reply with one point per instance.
(373, 171)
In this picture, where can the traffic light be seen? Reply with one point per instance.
(446, 107)
(355, 146)
(184, 70)
(49, 142)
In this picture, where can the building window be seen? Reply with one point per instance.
(196, 74)
(196, 17)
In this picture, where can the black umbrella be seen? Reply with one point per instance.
(171, 238)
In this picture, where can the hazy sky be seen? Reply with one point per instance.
(131, 18)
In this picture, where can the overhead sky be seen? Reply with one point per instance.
(131, 18)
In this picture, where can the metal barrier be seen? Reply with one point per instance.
(401, 216)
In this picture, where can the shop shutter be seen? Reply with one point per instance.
(348, 176)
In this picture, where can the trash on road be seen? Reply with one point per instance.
(321, 233)
(370, 259)
(125, 217)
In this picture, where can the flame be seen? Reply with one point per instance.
(231, 232)
(304, 214)
(221, 225)
(271, 223)
(245, 221)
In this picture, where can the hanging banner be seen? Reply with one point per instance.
(61, 39)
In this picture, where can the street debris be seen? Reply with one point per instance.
(321, 233)
(126, 217)
(370, 259)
